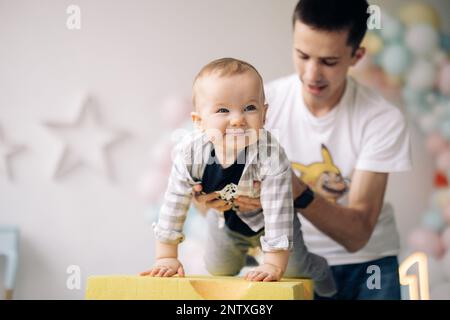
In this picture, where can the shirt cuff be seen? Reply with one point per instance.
(280, 243)
(167, 236)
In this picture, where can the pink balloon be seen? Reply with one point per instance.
(446, 213)
(443, 160)
(427, 241)
(444, 80)
(446, 264)
(445, 237)
(436, 143)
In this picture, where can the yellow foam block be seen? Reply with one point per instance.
(118, 287)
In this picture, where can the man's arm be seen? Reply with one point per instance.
(351, 225)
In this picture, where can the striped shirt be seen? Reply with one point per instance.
(265, 161)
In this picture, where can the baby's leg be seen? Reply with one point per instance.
(303, 263)
(225, 249)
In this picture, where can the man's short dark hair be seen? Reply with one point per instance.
(335, 15)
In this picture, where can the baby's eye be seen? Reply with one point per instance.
(222, 110)
(250, 108)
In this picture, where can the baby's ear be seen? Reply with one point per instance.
(196, 119)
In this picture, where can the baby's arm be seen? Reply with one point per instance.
(272, 269)
(278, 210)
(167, 263)
(169, 228)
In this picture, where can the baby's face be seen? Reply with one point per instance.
(230, 109)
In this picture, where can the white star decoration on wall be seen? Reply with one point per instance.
(7, 151)
(87, 141)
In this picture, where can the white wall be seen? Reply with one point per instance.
(129, 55)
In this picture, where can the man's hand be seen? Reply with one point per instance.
(246, 204)
(208, 201)
(165, 267)
(265, 272)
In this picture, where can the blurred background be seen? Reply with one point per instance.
(89, 112)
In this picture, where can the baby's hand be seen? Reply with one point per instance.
(165, 267)
(265, 272)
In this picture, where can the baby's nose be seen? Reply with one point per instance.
(237, 120)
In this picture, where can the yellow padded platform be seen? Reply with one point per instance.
(121, 287)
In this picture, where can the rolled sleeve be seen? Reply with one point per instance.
(167, 236)
(280, 243)
(277, 203)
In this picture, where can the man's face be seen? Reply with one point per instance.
(230, 109)
(322, 60)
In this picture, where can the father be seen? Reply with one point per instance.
(343, 140)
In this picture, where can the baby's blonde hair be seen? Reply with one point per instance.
(226, 67)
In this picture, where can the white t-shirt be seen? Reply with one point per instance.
(363, 132)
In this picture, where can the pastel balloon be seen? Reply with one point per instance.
(434, 220)
(445, 42)
(446, 213)
(421, 77)
(392, 29)
(436, 143)
(413, 97)
(440, 198)
(444, 80)
(428, 122)
(395, 59)
(427, 241)
(445, 128)
(373, 43)
(419, 12)
(443, 161)
(422, 39)
(446, 238)
(446, 264)
(440, 58)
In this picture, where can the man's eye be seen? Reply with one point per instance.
(329, 64)
(222, 110)
(250, 108)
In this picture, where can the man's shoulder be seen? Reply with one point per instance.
(371, 105)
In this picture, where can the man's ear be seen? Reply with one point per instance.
(266, 105)
(359, 54)
(197, 120)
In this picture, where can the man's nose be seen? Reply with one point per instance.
(312, 72)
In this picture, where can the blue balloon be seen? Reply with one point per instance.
(445, 42)
(392, 30)
(445, 128)
(395, 59)
(434, 220)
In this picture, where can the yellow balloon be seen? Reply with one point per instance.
(373, 43)
(418, 12)
(394, 81)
